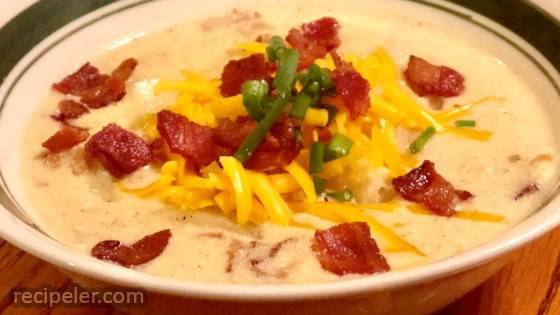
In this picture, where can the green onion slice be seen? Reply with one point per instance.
(316, 157)
(275, 45)
(252, 141)
(253, 93)
(418, 144)
(319, 184)
(340, 146)
(301, 105)
(342, 195)
(286, 74)
(465, 123)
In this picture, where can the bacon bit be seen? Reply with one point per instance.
(349, 248)
(66, 138)
(236, 72)
(232, 251)
(424, 185)
(85, 78)
(69, 109)
(121, 152)
(159, 156)
(426, 79)
(112, 89)
(527, 190)
(464, 195)
(279, 148)
(139, 253)
(315, 40)
(351, 86)
(203, 145)
(275, 249)
(231, 134)
(325, 135)
(97, 90)
(191, 140)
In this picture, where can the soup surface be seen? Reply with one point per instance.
(510, 174)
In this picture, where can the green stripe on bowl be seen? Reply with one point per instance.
(527, 20)
(36, 23)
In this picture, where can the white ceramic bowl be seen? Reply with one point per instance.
(415, 291)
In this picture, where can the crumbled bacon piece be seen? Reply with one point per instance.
(191, 140)
(69, 109)
(84, 79)
(67, 137)
(121, 152)
(279, 148)
(527, 190)
(324, 134)
(158, 151)
(112, 89)
(424, 185)
(349, 248)
(351, 87)
(232, 133)
(202, 145)
(314, 40)
(236, 72)
(97, 90)
(140, 252)
(426, 79)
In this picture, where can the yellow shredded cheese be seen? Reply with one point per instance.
(250, 196)
(303, 179)
(272, 201)
(316, 117)
(241, 186)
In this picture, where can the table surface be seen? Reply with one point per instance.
(526, 286)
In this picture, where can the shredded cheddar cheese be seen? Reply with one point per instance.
(256, 197)
(242, 187)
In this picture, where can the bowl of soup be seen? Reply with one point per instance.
(273, 156)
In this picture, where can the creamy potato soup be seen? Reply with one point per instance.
(303, 146)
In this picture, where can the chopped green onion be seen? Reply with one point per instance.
(319, 184)
(286, 73)
(253, 93)
(340, 146)
(301, 105)
(316, 157)
(422, 139)
(465, 123)
(325, 81)
(303, 77)
(314, 73)
(342, 195)
(252, 141)
(320, 75)
(275, 45)
(313, 88)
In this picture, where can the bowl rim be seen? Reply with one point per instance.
(27, 238)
